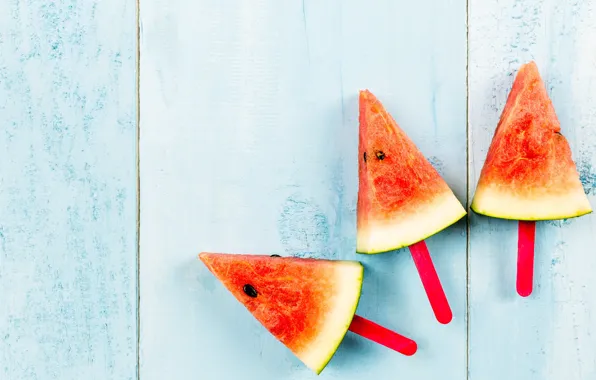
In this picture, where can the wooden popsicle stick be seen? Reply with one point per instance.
(430, 281)
(383, 336)
(525, 257)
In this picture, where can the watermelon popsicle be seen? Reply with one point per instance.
(402, 199)
(529, 174)
(307, 304)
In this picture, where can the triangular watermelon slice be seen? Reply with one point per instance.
(307, 304)
(402, 199)
(529, 173)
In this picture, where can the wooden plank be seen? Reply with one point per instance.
(68, 190)
(249, 143)
(550, 334)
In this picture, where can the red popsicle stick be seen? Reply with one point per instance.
(430, 281)
(383, 336)
(525, 257)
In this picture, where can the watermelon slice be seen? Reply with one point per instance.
(529, 173)
(307, 304)
(402, 199)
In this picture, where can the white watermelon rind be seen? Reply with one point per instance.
(491, 201)
(350, 276)
(407, 229)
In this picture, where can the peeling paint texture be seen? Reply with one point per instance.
(67, 190)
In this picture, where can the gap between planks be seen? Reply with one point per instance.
(468, 189)
(138, 173)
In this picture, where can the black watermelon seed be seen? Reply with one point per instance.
(380, 155)
(275, 256)
(250, 290)
(364, 156)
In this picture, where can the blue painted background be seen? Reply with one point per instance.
(241, 136)
(68, 245)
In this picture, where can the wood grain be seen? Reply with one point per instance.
(550, 334)
(67, 190)
(249, 124)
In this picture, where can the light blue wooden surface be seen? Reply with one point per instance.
(248, 144)
(67, 190)
(249, 128)
(550, 335)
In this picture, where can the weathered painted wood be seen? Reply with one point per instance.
(67, 190)
(549, 335)
(249, 144)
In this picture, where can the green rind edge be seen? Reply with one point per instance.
(319, 370)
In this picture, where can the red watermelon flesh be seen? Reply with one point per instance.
(529, 173)
(402, 199)
(307, 304)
